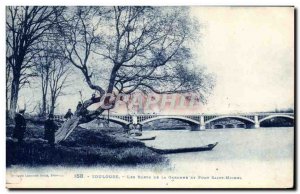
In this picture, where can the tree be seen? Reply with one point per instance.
(51, 67)
(43, 65)
(59, 74)
(25, 26)
(53, 71)
(120, 50)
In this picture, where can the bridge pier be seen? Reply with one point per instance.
(134, 120)
(256, 122)
(202, 123)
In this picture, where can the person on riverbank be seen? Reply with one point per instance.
(68, 115)
(79, 105)
(20, 126)
(50, 129)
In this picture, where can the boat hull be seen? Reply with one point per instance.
(208, 147)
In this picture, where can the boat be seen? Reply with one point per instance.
(208, 147)
(145, 138)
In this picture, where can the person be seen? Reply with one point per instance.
(93, 98)
(50, 128)
(69, 114)
(79, 105)
(20, 126)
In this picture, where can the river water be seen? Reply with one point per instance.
(258, 157)
(246, 158)
(233, 144)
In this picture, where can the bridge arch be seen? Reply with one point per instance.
(181, 118)
(274, 116)
(241, 118)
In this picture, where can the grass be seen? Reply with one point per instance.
(83, 147)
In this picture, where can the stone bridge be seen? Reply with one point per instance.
(198, 122)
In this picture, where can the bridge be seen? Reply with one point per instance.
(197, 122)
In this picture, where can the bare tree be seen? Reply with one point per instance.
(59, 75)
(43, 67)
(46, 65)
(53, 71)
(25, 26)
(124, 49)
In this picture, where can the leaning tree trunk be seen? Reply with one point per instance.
(80, 116)
(68, 126)
(66, 129)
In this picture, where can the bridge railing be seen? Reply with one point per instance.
(142, 117)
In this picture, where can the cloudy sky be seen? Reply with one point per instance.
(250, 51)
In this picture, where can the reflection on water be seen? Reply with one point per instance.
(267, 144)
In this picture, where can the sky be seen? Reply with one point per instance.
(249, 50)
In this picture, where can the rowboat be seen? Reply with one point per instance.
(208, 147)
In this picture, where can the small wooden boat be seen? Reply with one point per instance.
(145, 138)
(208, 147)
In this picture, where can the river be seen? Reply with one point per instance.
(234, 143)
(259, 157)
(246, 158)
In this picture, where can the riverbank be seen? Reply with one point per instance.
(84, 147)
